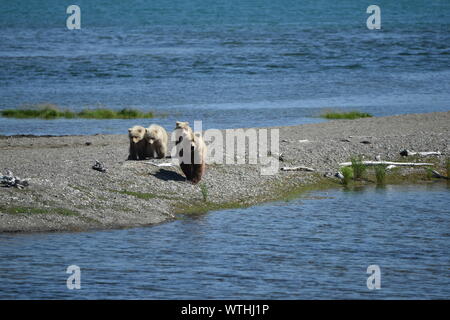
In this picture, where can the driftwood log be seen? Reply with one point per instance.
(406, 153)
(299, 168)
(438, 175)
(388, 163)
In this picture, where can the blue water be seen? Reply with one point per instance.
(236, 63)
(318, 246)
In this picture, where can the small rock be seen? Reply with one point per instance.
(404, 153)
(99, 166)
(88, 143)
(366, 142)
(339, 175)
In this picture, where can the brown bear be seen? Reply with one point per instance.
(140, 148)
(156, 136)
(191, 152)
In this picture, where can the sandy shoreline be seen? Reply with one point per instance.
(68, 195)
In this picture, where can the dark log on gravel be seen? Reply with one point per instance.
(406, 153)
(300, 168)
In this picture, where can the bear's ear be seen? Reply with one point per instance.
(129, 129)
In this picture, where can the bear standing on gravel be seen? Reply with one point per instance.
(139, 146)
(191, 152)
(156, 136)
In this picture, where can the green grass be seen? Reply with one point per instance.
(204, 189)
(144, 195)
(358, 167)
(346, 115)
(140, 195)
(347, 172)
(34, 210)
(50, 111)
(380, 174)
(430, 174)
(448, 168)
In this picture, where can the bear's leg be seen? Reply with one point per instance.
(142, 149)
(159, 150)
(132, 154)
(197, 172)
(187, 170)
(149, 150)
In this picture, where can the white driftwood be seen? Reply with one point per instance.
(300, 168)
(407, 152)
(388, 163)
(438, 175)
(166, 164)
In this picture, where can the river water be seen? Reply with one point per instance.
(231, 64)
(318, 246)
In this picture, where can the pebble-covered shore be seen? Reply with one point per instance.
(66, 194)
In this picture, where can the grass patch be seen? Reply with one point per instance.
(430, 174)
(380, 174)
(346, 115)
(359, 168)
(143, 195)
(140, 195)
(34, 210)
(280, 191)
(448, 168)
(50, 111)
(347, 172)
(204, 190)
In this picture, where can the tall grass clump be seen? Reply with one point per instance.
(380, 174)
(103, 113)
(204, 190)
(448, 168)
(359, 168)
(346, 115)
(50, 111)
(347, 172)
(43, 111)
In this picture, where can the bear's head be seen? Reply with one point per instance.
(152, 134)
(183, 131)
(136, 133)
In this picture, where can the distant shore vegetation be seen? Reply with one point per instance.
(51, 111)
(346, 115)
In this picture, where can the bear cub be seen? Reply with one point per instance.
(156, 136)
(145, 142)
(139, 147)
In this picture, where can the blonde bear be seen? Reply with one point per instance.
(156, 136)
(191, 152)
(139, 146)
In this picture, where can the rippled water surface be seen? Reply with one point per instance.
(236, 63)
(318, 246)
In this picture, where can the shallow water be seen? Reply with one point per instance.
(237, 63)
(318, 246)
